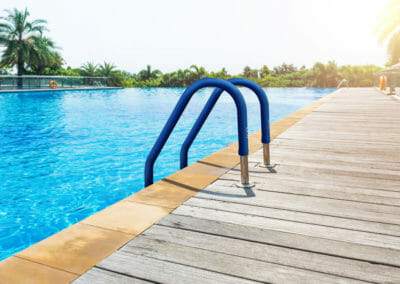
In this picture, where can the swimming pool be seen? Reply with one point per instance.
(65, 155)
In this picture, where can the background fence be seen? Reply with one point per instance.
(11, 82)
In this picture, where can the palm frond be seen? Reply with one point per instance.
(24, 41)
(389, 21)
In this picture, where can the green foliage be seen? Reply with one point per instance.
(4, 71)
(25, 46)
(106, 69)
(324, 75)
(89, 69)
(284, 69)
(393, 48)
(359, 76)
(388, 30)
(285, 75)
(68, 71)
(250, 73)
(148, 74)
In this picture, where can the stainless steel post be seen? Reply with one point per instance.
(244, 172)
(266, 155)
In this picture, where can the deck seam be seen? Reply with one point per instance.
(283, 246)
(288, 220)
(241, 256)
(127, 275)
(293, 210)
(200, 268)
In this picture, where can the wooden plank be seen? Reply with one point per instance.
(279, 238)
(361, 161)
(319, 189)
(156, 270)
(100, 276)
(341, 136)
(349, 268)
(339, 208)
(321, 159)
(228, 264)
(376, 151)
(321, 179)
(312, 230)
(355, 172)
(335, 177)
(355, 127)
(238, 206)
(331, 192)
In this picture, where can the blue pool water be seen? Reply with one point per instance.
(66, 155)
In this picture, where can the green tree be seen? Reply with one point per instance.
(45, 60)
(393, 48)
(198, 72)
(284, 69)
(148, 73)
(120, 78)
(264, 71)
(23, 41)
(324, 75)
(69, 71)
(106, 69)
(250, 73)
(3, 71)
(389, 29)
(89, 69)
(359, 76)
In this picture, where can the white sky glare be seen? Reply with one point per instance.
(213, 33)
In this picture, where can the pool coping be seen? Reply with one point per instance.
(66, 255)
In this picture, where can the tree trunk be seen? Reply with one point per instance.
(20, 72)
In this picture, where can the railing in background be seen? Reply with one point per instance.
(12, 82)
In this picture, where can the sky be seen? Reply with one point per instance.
(172, 34)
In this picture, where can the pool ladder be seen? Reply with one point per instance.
(229, 86)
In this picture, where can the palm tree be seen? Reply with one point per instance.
(89, 69)
(393, 48)
(249, 73)
(389, 28)
(319, 74)
(198, 72)
(148, 73)
(107, 69)
(325, 75)
(20, 37)
(44, 57)
(264, 71)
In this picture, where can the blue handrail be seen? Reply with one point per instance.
(264, 111)
(241, 110)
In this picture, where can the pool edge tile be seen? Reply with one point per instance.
(163, 193)
(16, 270)
(131, 218)
(75, 249)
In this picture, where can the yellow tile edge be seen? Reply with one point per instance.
(71, 252)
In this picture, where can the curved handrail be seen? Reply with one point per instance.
(241, 109)
(264, 111)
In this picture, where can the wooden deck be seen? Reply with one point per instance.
(329, 213)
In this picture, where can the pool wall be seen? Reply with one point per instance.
(69, 253)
